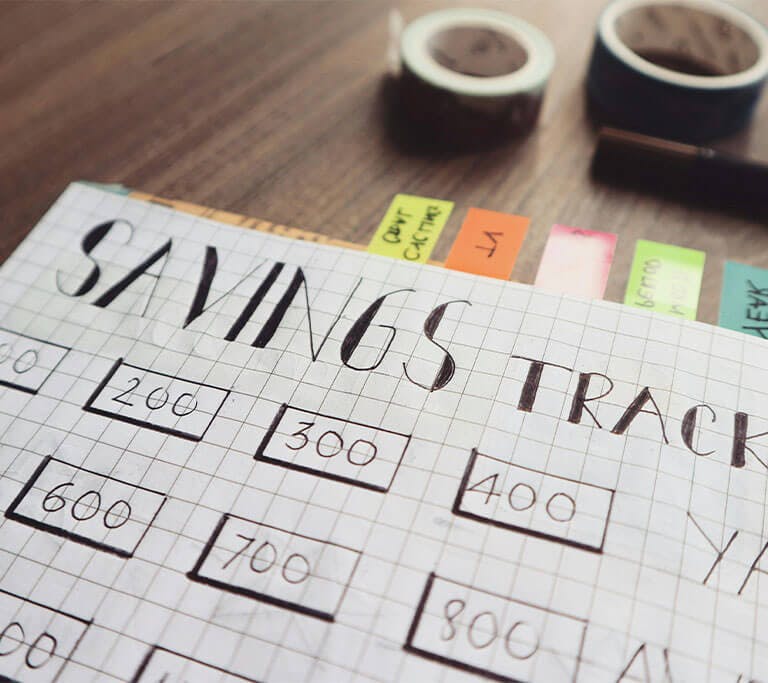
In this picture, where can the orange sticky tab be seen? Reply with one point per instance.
(488, 243)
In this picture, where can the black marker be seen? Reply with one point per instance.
(701, 174)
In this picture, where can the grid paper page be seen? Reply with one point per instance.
(231, 456)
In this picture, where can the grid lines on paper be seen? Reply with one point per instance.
(378, 606)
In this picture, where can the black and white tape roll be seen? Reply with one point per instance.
(473, 72)
(686, 69)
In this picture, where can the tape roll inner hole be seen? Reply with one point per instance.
(687, 40)
(477, 51)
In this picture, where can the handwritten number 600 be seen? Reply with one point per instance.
(84, 509)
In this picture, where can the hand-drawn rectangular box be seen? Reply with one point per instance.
(86, 507)
(165, 403)
(161, 665)
(38, 640)
(280, 567)
(495, 636)
(342, 450)
(534, 502)
(27, 362)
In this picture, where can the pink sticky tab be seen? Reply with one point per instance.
(576, 262)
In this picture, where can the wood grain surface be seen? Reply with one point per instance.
(277, 110)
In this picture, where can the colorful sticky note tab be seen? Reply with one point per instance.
(666, 279)
(576, 262)
(744, 299)
(488, 243)
(410, 227)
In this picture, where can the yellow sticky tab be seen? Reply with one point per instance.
(411, 227)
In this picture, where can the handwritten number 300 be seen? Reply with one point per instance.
(331, 443)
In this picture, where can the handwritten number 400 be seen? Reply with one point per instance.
(560, 507)
(330, 443)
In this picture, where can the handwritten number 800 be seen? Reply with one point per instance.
(483, 629)
(331, 443)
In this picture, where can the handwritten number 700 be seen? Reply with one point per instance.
(295, 569)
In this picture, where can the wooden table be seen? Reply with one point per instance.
(276, 110)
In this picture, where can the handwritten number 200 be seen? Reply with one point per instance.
(38, 653)
(184, 404)
(84, 509)
(331, 443)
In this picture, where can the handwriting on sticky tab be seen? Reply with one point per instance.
(410, 227)
(666, 279)
(744, 299)
(488, 243)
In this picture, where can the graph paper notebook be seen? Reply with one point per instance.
(230, 456)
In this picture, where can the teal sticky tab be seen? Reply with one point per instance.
(744, 299)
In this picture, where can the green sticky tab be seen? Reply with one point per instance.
(411, 227)
(666, 279)
(744, 299)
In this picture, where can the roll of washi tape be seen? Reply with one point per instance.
(686, 69)
(472, 73)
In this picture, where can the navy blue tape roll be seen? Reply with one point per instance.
(691, 70)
